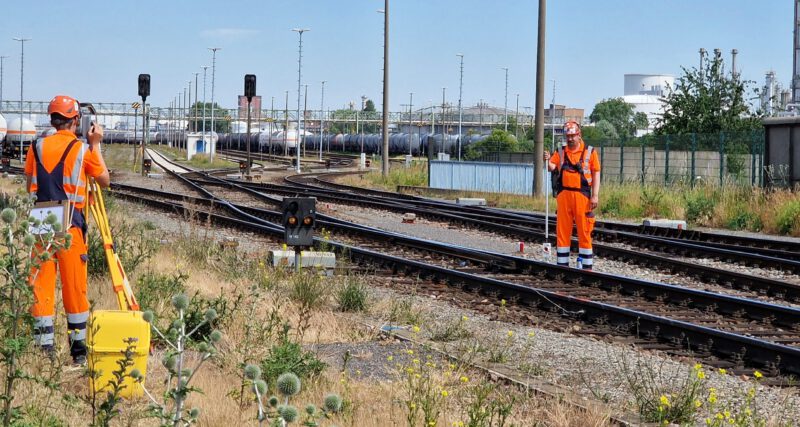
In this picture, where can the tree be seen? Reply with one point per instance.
(498, 141)
(222, 120)
(369, 113)
(707, 101)
(606, 130)
(346, 123)
(619, 114)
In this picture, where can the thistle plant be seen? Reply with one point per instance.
(171, 410)
(288, 384)
(21, 252)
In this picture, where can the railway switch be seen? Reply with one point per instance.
(299, 217)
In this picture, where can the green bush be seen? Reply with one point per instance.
(699, 207)
(154, 290)
(788, 218)
(352, 295)
(611, 205)
(289, 356)
(652, 200)
(741, 218)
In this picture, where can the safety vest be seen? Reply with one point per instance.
(566, 165)
(62, 182)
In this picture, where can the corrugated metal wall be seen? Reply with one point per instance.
(481, 176)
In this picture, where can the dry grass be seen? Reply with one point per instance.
(373, 402)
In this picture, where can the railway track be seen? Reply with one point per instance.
(712, 325)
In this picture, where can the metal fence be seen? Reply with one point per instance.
(712, 158)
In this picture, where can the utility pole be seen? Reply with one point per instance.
(538, 145)
(300, 32)
(321, 119)
(796, 50)
(213, 81)
(410, 109)
(460, 87)
(305, 108)
(444, 128)
(21, 81)
(286, 126)
(385, 150)
(205, 141)
(196, 95)
(505, 105)
(702, 57)
(480, 114)
(1, 82)
(516, 120)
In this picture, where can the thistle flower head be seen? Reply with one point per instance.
(261, 386)
(288, 384)
(273, 401)
(50, 219)
(180, 301)
(194, 413)
(289, 413)
(210, 315)
(311, 409)
(252, 372)
(9, 215)
(28, 240)
(148, 316)
(215, 336)
(135, 374)
(333, 403)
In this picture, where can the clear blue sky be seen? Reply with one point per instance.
(95, 49)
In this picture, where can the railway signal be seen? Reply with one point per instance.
(144, 92)
(249, 93)
(299, 217)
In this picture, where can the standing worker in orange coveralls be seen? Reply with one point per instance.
(577, 190)
(57, 168)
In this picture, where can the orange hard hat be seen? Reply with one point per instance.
(64, 106)
(572, 128)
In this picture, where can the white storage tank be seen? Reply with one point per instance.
(3, 128)
(648, 84)
(27, 134)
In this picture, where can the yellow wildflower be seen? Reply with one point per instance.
(510, 334)
(701, 375)
(410, 352)
(722, 371)
(664, 400)
(502, 303)
(712, 398)
(412, 405)
(698, 366)
(464, 379)
(431, 423)
(751, 392)
(410, 370)
(748, 412)
(757, 374)
(708, 421)
(531, 334)
(390, 358)
(415, 329)
(697, 403)
(415, 361)
(464, 318)
(417, 376)
(719, 416)
(444, 393)
(452, 366)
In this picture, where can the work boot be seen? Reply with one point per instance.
(79, 362)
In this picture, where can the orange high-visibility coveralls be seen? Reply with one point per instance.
(62, 151)
(574, 202)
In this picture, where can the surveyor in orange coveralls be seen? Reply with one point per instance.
(577, 188)
(57, 168)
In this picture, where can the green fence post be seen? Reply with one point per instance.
(621, 161)
(694, 149)
(642, 162)
(666, 160)
(721, 157)
(752, 159)
(602, 156)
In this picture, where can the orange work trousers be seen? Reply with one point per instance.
(72, 266)
(574, 208)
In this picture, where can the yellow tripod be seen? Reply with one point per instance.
(111, 333)
(119, 280)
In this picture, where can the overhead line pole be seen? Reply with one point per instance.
(538, 145)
